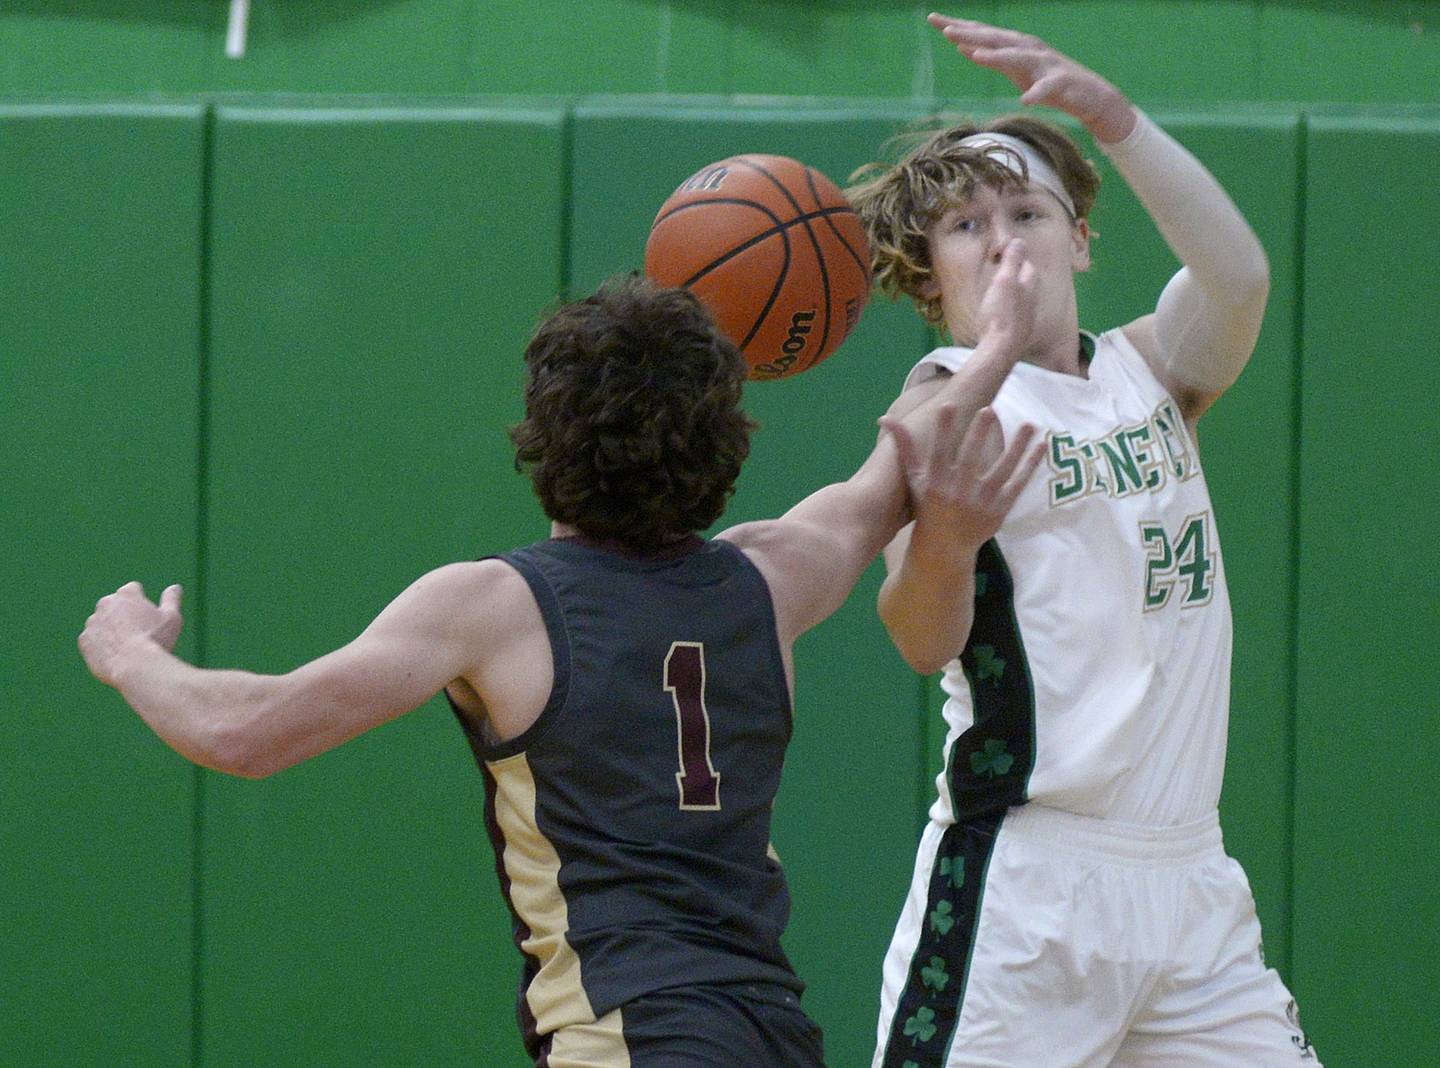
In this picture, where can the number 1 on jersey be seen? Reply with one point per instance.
(697, 778)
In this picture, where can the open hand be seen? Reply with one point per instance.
(125, 619)
(1043, 75)
(959, 498)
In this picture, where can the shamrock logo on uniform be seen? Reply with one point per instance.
(921, 1025)
(982, 583)
(993, 761)
(952, 869)
(940, 919)
(935, 977)
(988, 665)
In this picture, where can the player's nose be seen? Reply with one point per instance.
(995, 248)
(997, 236)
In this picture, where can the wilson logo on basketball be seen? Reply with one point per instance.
(708, 181)
(755, 237)
(796, 338)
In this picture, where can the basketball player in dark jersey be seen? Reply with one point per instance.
(625, 685)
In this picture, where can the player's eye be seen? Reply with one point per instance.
(964, 224)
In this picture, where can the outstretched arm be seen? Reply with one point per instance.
(1208, 317)
(252, 725)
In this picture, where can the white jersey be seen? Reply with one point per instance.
(1096, 674)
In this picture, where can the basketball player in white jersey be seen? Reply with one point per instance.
(1072, 904)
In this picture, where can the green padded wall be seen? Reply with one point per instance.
(848, 817)
(1367, 914)
(376, 274)
(1379, 51)
(1164, 51)
(100, 258)
(1248, 449)
(107, 46)
(1149, 49)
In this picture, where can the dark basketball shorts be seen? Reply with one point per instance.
(733, 1025)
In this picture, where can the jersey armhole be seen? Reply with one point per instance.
(1125, 348)
(942, 361)
(559, 637)
(1129, 357)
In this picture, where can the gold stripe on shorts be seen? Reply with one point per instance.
(597, 1045)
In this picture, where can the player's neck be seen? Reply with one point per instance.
(678, 545)
(1062, 354)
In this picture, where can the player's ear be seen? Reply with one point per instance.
(928, 289)
(1080, 245)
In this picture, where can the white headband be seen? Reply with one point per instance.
(1003, 149)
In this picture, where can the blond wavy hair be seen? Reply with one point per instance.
(898, 202)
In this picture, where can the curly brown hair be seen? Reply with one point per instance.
(898, 202)
(633, 429)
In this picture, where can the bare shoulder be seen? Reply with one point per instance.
(764, 542)
(478, 587)
(490, 577)
(476, 605)
(1141, 334)
(751, 537)
(917, 395)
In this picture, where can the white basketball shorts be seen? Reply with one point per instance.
(1036, 938)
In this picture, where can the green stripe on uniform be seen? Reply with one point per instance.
(988, 768)
(929, 1007)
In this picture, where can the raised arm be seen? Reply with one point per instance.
(253, 725)
(1208, 317)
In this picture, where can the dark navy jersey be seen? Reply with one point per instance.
(631, 822)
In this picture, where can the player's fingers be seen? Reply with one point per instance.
(972, 449)
(1010, 457)
(943, 441)
(130, 591)
(1013, 258)
(170, 599)
(1020, 65)
(1046, 89)
(1006, 276)
(1020, 477)
(904, 443)
(971, 32)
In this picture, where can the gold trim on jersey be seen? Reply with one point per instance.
(556, 995)
(597, 1045)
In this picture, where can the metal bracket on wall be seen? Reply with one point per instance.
(235, 31)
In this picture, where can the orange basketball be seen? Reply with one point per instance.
(776, 253)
